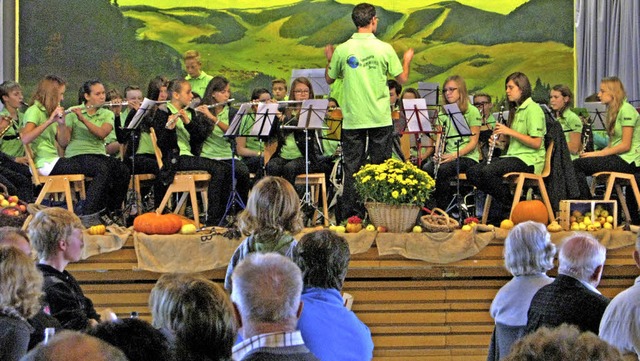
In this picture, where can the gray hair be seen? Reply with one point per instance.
(266, 288)
(580, 255)
(75, 346)
(528, 249)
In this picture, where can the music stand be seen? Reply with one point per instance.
(417, 115)
(311, 117)
(596, 112)
(430, 92)
(459, 122)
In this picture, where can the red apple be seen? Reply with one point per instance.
(23, 208)
(382, 229)
(13, 199)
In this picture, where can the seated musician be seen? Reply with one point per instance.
(216, 114)
(422, 142)
(623, 152)
(560, 100)
(399, 123)
(111, 142)
(457, 148)
(289, 159)
(251, 149)
(331, 136)
(482, 101)
(14, 168)
(524, 131)
(178, 135)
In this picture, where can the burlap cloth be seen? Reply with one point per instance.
(203, 252)
(111, 241)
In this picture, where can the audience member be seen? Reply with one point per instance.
(136, 338)
(528, 254)
(266, 295)
(620, 324)
(75, 346)
(270, 220)
(15, 237)
(196, 315)
(572, 297)
(329, 329)
(20, 291)
(564, 343)
(57, 238)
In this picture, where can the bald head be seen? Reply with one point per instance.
(581, 256)
(75, 346)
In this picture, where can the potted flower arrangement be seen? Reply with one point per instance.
(393, 193)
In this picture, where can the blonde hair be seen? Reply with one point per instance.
(273, 208)
(50, 226)
(616, 89)
(197, 311)
(20, 283)
(192, 54)
(48, 92)
(463, 101)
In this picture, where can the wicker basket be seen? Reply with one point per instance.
(439, 221)
(396, 219)
(13, 221)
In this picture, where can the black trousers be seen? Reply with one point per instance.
(110, 180)
(611, 163)
(488, 177)
(447, 173)
(356, 153)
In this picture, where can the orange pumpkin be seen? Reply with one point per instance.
(531, 210)
(153, 223)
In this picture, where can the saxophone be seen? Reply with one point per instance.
(492, 146)
(6, 129)
(440, 149)
(586, 134)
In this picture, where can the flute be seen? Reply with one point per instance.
(259, 102)
(211, 106)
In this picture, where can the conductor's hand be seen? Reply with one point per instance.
(408, 56)
(328, 51)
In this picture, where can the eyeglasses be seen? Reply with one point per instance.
(306, 91)
(479, 104)
(448, 90)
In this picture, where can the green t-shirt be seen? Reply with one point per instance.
(145, 146)
(44, 146)
(82, 140)
(12, 147)
(289, 149)
(199, 84)
(363, 62)
(216, 146)
(529, 119)
(627, 117)
(183, 135)
(571, 123)
(491, 121)
(474, 119)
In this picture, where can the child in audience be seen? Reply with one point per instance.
(270, 220)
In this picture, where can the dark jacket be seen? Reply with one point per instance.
(561, 182)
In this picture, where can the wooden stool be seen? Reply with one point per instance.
(135, 184)
(618, 180)
(188, 183)
(317, 184)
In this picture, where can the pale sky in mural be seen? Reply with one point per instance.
(498, 6)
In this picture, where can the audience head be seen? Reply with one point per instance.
(11, 94)
(363, 14)
(157, 89)
(454, 90)
(75, 346)
(528, 249)
(273, 208)
(50, 92)
(323, 258)
(279, 88)
(197, 312)
(192, 63)
(136, 338)
(55, 230)
(20, 283)
(582, 257)
(266, 292)
(13, 236)
(564, 343)
(301, 89)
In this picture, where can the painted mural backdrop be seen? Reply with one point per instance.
(127, 42)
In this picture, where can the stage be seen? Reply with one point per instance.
(416, 310)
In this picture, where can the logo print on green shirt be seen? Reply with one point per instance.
(353, 62)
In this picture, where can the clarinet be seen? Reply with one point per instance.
(586, 135)
(492, 146)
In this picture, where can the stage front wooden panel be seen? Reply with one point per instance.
(415, 310)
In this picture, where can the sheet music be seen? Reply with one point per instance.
(232, 131)
(146, 104)
(417, 115)
(597, 112)
(264, 119)
(457, 118)
(312, 114)
(429, 91)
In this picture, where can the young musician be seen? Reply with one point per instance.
(89, 126)
(399, 123)
(279, 89)
(482, 101)
(177, 136)
(524, 131)
(216, 145)
(560, 101)
(427, 147)
(623, 152)
(460, 150)
(251, 149)
(195, 76)
(289, 159)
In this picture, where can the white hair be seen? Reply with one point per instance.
(267, 287)
(528, 249)
(580, 255)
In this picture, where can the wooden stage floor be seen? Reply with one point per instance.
(415, 310)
